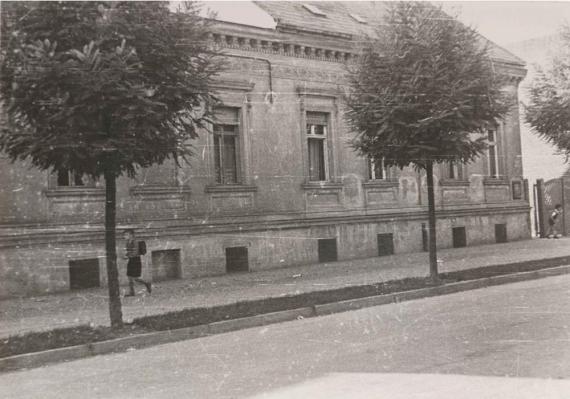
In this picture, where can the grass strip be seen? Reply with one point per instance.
(84, 334)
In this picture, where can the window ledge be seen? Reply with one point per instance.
(381, 183)
(322, 185)
(75, 192)
(154, 190)
(230, 188)
(454, 183)
(495, 181)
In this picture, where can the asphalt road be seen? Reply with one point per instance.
(455, 345)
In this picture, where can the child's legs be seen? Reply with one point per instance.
(139, 280)
(132, 285)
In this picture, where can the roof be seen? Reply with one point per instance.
(337, 19)
(239, 12)
(337, 15)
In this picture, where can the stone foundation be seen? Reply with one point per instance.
(41, 264)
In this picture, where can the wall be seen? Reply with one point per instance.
(41, 268)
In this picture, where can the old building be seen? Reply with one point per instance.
(276, 184)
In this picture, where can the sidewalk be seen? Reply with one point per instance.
(23, 315)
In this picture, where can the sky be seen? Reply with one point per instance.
(506, 22)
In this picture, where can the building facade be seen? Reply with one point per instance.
(275, 184)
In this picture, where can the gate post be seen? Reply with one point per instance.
(539, 203)
(563, 203)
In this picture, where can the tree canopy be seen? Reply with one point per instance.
(90, 86)
(102, 88)
(423, 86)
(423, 89)
(549, 109)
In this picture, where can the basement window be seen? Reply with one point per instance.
(314, 10)
(358, 18)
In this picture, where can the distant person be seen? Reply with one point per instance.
(133, 249)
(553, 222)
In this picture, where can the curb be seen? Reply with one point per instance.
(359, 303)
(37, 359)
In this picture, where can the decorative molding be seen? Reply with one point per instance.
(75, 192)
(497, 190)
(316, 75)
(237, 200)
(490, 181)
(278, 46)
(295, 29)
(456, 192)
(151, 190)
(237, 85)
(317, 92)
(230, 188)
(381, 193)
(94, 234)
(322, 186)
(385, 183)
(454, 183)
(384, 197)
(273, 44)
(323, 195)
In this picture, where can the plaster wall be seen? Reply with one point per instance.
(41, 269)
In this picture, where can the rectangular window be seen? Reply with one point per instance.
(83, 273)
(492, 153)
(385, 244)
(459, 236)
(517, 190)
(376, 169)
(501, 233)
(327, 250)
(67, 178)
(317, 125)
(237, 259)
(165, 264)
(226, 145)
(454, 170)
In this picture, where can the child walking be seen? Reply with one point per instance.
(134, 264)
(553, 221)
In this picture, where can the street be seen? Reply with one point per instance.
(517, 330)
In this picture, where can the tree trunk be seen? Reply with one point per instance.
(431, 223)
(115, 311)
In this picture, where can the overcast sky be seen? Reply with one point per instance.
(506, 22)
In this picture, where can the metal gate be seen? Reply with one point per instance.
(546, 196)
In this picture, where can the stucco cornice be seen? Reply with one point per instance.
(288, 43)
(175, 228)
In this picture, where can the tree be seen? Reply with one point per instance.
(102, 89)
(421, 94)
(549, 109)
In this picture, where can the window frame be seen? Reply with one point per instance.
(73, 179)
(371, 167)
(233, 94)
(454, 170)
(323, 139)
(219, 173)
(494, 148)
(318, 99)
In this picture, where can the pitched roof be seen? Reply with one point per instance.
(337, 17)
(338, 20)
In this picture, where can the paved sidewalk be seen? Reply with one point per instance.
(90, 306)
